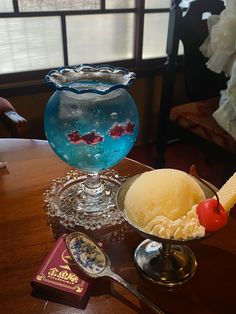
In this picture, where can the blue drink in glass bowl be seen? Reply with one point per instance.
(91, 132)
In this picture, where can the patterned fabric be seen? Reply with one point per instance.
(197, 118)
(5, 105)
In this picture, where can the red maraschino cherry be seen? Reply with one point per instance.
(211, 213)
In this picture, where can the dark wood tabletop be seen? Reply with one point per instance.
(26, 239)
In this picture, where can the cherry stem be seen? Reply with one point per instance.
(193, 172)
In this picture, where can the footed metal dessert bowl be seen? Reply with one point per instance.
(166, 261)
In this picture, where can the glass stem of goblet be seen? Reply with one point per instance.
(166, 249)
(93, 185)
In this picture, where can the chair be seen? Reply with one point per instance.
(194, 118)
(12, 121)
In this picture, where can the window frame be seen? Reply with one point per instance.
(34, 80)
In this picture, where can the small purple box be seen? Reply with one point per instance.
(58, 274)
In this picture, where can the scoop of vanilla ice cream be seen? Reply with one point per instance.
(167, 192)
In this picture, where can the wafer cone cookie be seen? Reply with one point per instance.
(227, 193)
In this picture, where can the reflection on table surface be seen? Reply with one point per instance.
(26, 239)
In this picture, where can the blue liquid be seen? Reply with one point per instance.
(68, 112)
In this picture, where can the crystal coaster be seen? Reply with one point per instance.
(64, 200)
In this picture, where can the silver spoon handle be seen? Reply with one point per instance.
(134, 291)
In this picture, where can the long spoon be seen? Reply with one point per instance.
(94, 263)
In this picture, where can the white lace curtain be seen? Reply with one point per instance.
(220, 48)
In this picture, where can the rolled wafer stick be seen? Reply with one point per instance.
(227, 193)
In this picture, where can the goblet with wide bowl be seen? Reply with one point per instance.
(165, 260)
(91, 123)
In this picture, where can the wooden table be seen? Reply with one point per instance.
(26, 239)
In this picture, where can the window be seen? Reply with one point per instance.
(37, 35)
(100, 38)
